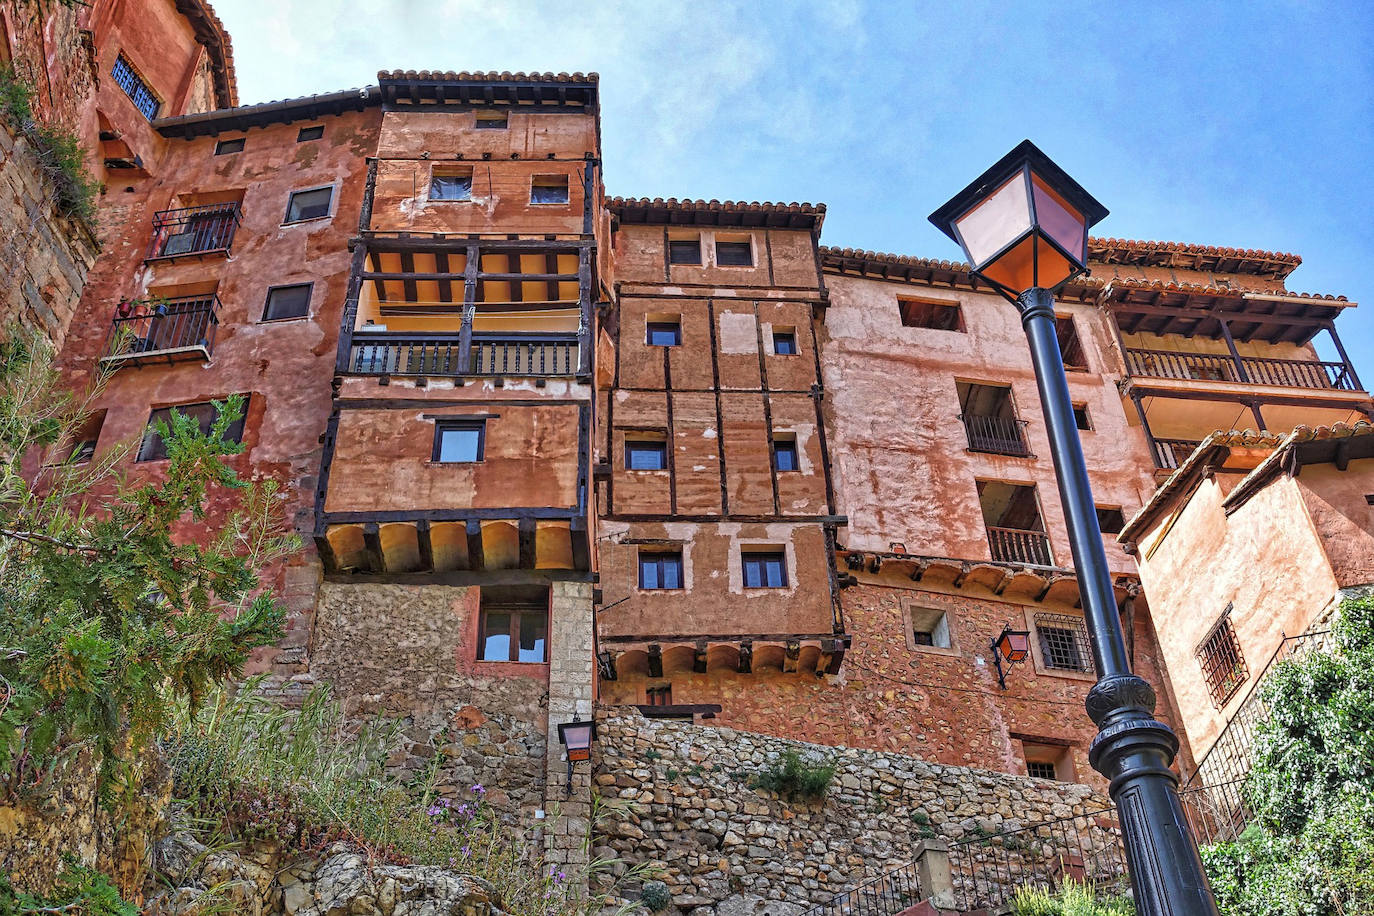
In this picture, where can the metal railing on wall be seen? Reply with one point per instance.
(164, 329)
(886, 895)
(1291, 373)
(998, 435)
(194, 230)
(489, 354)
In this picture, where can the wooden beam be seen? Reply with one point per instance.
(655, 660)
(422, 538)
(699, 657)
(746, 657)
(409, 276)
(581, 548)
(372, 544)
(528, 527)
(476, 557)
(446, 285)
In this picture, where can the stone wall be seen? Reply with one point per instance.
(46, 255)
(690, 811)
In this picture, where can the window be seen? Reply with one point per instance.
(459, 441)
(1069, 346)
(450, 184)
(784, 342)
(311, 204)
(287, 302)
(549, 189)
(660, 570)
(492, 120)
(1081, 418)
(1110, 519)
(127, 78)
(734, 253)
(765, 569)
(84, 442)
(514, 625)
(664, 334)
(1041, 769)
(225, 147)
(155, 449)
(684, 251)
(310, 133)
(785, 453)
(646, 454)
(934, 316)
(1063, 642)
(659, 696)
(1223, 665)
(929, 627)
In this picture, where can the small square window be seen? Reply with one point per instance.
(934, 316)
(492, 120)
(225, 147)
(450, 184)
(85, 439)
(459, 442)
(929, 627)
(764, 569)
(684, 251)
(312, 204)
(734, 254)
(659, 696)
(646, 454)
(1081, 418)
(134, 86)
(549, 189)
(784, 342)
(660, 570)
(1041, 769)
(287, 302)
(514, 626)
(153, 448)
(307, 134)
(1110, 519)
(1064, 642)
(785, 454)
(664, 334)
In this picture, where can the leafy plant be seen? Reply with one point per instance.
(79, 890)
(795, 778)
(16, 98)
(1069, 899)
(656, 896)
(58, 149)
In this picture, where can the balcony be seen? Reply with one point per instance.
(1015, 545)
(194, 231)
(996, 435)
(1170, 453)
(165, 330)
(510, 354)
(1289, 373)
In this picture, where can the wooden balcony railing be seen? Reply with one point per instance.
(1291, 373)
(194, 230)
(998, 435)
(442, 355)
(165, 330)
(1170, 453)
(1013, 545)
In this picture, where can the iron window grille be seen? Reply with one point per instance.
(1064, 642)
(765, 570)
(1041, 769)
(1223, 664)
(127, 78)
(154, 448)
(660, 570)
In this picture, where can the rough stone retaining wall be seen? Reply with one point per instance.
(693, 814)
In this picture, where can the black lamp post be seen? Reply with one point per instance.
(1023, 225)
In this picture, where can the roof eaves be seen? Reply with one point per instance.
(627, 209)
(284, 110)
(1288, 456)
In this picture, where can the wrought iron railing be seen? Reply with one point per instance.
(163, 329)
(194, 230)
(987, 869)
(442, 355)
(886, 895)
(998, 435)
(1291, 373)
(1013, 545)
(1170, 453)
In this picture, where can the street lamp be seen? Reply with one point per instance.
(1012, 645)
(577, 737)
(1023, 225)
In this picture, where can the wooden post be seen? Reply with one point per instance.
(1259, 417)
(1340, 349)
(1145, 425)
(1231, 345)
(470, 270)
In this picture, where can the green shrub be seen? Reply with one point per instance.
(59, 151)
(656, 896)
(16, 98)
(80, 891)
(795, 778)
(1070, 899)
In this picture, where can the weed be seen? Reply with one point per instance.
(795, 778)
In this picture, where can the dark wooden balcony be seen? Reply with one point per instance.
(193, 231)
(163, 331)
(1289, 373)
(1013, 545)
(996, 435)
(509, 354)
(1170, 453)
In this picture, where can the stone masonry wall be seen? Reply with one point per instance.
(691, 812)
(46, 256)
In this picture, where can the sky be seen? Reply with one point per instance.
(1244, 124)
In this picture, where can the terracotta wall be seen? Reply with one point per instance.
(783, 258)
(1338, 504)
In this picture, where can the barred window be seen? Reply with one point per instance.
(127, 78)
(1064, 642)
(1223, 665)
(1041, 769)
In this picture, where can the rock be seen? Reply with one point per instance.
(751, 905)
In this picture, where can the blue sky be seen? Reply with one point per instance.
(1248, 124)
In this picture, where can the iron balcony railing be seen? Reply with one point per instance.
(1170, 453)
(165, 330)
(1014, 545)
(194, 230)
(442, 355)
(997, 435)
(1290, 373)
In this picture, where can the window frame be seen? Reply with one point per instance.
(789, 334)
(1066, 321)
(1119, 522)
(762, 557)
(633, 444)
(905, 311)
(1087, 425)
(438, 172)
(745, 245)
(501, 122)
(221, 144)
(567, 190)
(518, 615)
(652, 326)
(143, 84)
(783, 443)
(267, 304)
(1053, 769)
(150, 435)
(695, 241)
(301, 134)
(292, 195)
(657, 558)
(442, 426)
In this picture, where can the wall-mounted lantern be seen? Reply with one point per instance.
(1012, 646)
(577, 737)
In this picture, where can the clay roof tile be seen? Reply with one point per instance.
(489, 76)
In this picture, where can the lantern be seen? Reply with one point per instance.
(1014, 647)
(577, 737)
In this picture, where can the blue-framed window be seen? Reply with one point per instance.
(660, 570)
(646, 454)
(785, 455)
(765, 569)
(138, 92)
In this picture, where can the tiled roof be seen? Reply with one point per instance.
(906, 267)
(1196, 257)
(284, 110)
(211, 33)
(1205, 289)
(717, 212)
(488, 76)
